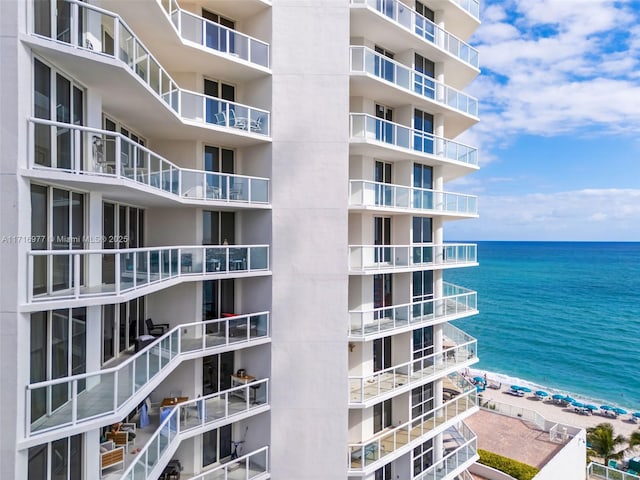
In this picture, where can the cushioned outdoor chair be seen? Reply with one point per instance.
(156, 329)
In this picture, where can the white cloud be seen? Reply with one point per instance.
(590, 214)
(555, 67)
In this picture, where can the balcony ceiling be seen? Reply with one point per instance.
(457, 20)
(363, 85)
(133, 102)
(149, 22)
(383, 151)
(366, 23)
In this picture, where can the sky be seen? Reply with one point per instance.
(559, 131)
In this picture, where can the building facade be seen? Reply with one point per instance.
(222, 229)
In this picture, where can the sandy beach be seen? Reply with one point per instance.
(553, 411)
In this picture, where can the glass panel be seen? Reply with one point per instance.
(38, 363)
(59, 356)
(38, 462)
(42, 109)
(59, 459)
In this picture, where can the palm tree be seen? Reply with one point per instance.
(604, 441)
(634, 439)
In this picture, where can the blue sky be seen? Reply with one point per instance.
(559, 136)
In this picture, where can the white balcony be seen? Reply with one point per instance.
(386, 140)
(108, 395)
(398, 27)
(148, 95)
(62, 275)
(456, 302)
(108, 160)
(459, 351)
(462, 17)
(234, 45)
(252, 466)
(461, 451)
(367, 195)
(372, 75)
(184, 41)
(194, 417)
(374, 259)
(391, 443)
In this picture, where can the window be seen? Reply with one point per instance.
(425, 11)
(382, 174)
(128, 150)
(422, 457)
(216, 445)
(57, 218)
(216, 37)
(383, 473)
(59, 460)
(421, 400)
(381, 354)
(423, 288)
(218, 228)
(382, 67)
(383, 294)
(221, 160)
(424, 66)
(422, 233)
(58, 350)
(423, 186)
(422, 342)
(54, 92)
(218, 112)
(217, 298)
(423, 135)
(216, 372)
(382, 238)
(384, 127)
(121, 325)
(122, 227)
(382, 417)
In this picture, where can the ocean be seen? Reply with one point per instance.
(560, 315)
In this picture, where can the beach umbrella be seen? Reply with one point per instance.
(620, 411)
(606, 407)
(525, 389)
(636, 414)
(577, 404)
(591, 407)
(541, 393)
(557, 396)
(516, 387)
(569, 399)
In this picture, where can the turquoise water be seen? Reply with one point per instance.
(563, 315)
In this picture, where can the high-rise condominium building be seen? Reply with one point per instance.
(222, 228)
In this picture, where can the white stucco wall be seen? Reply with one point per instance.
(310, 179)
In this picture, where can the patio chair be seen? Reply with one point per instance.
(110, 456)
(156, 329)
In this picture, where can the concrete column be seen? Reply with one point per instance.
(310, 151)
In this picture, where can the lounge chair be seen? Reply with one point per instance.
(110, 456)
(156, 329)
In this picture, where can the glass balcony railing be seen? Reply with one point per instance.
(596, 470)
(365, 60)
(194, 416)
(93, 29)
(364, 127)
(89, 151)
(455, 303)
(215, 36)
(461, 450)
(368, 387)
(364, 193)
(471, 6)
(62, 274)
(404, 16)
(364, 455)
(246, 467)
(365, 258)
(70, 401)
